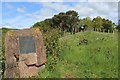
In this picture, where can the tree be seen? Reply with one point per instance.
(118, 26)
(69, 22)
(97, 22)
(108, 25)
(88, 23)
(61, 21)
(45, 25)
(72, 20)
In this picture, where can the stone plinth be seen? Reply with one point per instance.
(25, 53)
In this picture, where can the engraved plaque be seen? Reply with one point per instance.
(27, 44)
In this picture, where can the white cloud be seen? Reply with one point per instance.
(92, 9)
(46, 13)
(86, 9)
(60, 0)
(56, 6)
(17, 22)
(21, 10)
(32, 15)
(45, 0)
(26, 20)
(6, 25)
(32, 0)
(103, 0)
(9, 6)
(41, 14)
(75, 0)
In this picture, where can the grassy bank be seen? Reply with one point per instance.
(85, 54)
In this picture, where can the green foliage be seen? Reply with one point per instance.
(69, 22)
(73, 19)
(43, 25)
(87, 21)
(103, 25)
(65, 21)
(83, 42)
(51, 42)
(78, 55)
(60, 20)
(2, 49)
(108, 26)
(51, 39)
(97, 59)
(88, 54)
(4, 31)
(98, 23)
(118, 26)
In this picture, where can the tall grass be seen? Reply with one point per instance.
(96, 58)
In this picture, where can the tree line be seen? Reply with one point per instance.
(70, 22)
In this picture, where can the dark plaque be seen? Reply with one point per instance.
(27, 44)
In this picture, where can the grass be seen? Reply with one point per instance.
(96, 59)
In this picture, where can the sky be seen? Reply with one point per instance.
(19, 15)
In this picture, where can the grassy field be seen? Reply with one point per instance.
(96, 59)
(85, 55)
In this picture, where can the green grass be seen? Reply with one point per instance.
(97, 59)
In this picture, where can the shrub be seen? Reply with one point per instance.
(2, 50)
(52, 49)
(84, 41)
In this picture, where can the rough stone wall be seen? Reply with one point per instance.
(19, 65)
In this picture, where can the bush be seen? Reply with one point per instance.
(50, 39)
(83, 42)
(2, 50)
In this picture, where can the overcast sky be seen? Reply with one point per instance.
(24, 14)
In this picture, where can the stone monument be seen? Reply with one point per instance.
(25, 53)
